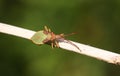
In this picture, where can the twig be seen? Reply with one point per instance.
(100, 54)
(16, 31)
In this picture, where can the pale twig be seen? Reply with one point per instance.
(100, 54)
(16, 31)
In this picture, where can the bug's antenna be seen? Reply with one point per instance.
(70, 34)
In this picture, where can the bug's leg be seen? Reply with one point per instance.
(57, 45)
(49, 30)
(46, 28)
(52, 45)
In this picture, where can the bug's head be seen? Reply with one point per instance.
(59, 36)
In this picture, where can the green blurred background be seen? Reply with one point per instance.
(96, 23)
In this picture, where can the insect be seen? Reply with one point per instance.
(46, 36)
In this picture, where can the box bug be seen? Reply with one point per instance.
(46, 36)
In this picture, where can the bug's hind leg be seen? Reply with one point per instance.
(57, 45)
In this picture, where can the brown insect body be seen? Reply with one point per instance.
(53, 39)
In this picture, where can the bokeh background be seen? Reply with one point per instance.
(96, 22)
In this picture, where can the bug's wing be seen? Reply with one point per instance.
(39, 37)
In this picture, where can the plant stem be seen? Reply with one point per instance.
(16, 31)
(97, 53)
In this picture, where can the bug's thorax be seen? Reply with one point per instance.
(53, 36)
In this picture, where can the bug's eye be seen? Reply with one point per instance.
(62, 34)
